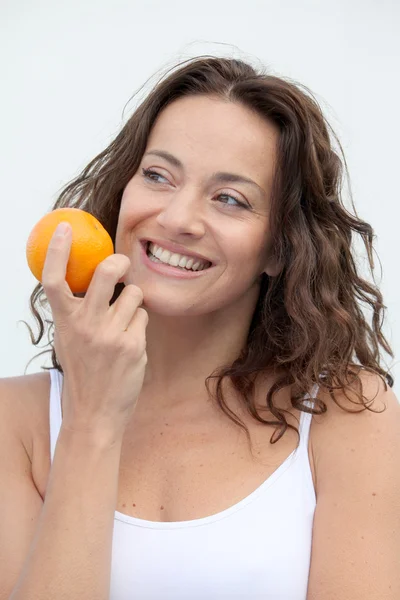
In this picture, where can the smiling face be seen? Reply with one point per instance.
(189, 200)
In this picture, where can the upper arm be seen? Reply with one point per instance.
(356, 535)
(20, 502)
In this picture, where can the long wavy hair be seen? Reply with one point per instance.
(310, 322)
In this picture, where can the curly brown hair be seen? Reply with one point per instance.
(309, 322)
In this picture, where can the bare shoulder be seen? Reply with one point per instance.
(23, 446)
(24, 402)
(344, 432)
(356, 530)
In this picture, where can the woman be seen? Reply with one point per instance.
(161, 457)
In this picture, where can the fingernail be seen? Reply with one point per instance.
(62, 229)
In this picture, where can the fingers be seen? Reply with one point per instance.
(126, 307)
(104, 280)
(137, 331)
(56, 288)
(102, 286)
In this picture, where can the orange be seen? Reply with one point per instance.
(91, 244)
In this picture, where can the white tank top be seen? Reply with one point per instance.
(259, 548)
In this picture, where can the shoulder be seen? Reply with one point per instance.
(344, 437)
(24, 402)
(356, 529)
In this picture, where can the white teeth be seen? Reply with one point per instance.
(165, 256)
(189, 263)
(176, 260)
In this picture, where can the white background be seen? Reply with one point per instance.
(68, 70)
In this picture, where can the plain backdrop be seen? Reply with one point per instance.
(69, 72)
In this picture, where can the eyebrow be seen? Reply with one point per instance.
(219, 177)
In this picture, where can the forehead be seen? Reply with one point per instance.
(209, 134)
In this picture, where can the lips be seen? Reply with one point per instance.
(174, 248)
(165, 269)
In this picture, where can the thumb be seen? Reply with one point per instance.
(54, 271)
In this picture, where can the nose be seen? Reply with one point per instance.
(183, 214)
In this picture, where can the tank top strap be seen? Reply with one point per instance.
(305, 417)
(56, 383)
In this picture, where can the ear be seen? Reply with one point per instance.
(273, 267)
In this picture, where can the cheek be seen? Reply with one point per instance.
(133, 210)
(248, 253)
(127, 221)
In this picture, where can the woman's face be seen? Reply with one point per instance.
(184, 201)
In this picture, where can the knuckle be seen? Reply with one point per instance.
(107, 269)
(113, 265)
(50, 282)
(61, 327)
(143, 314)
(142, 362)
(121, 259)
(86, 335)
(133, 346)
(130, 347)
(83, 329)
(55, 247)
(134, 291)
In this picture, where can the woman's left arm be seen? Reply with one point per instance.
(356, 534)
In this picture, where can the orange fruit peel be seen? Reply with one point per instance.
(91, 244)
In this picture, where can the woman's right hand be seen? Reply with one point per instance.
(101, 348)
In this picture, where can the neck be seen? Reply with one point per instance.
(183, 351)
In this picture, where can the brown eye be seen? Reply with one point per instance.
(147, 174)
(238, 203)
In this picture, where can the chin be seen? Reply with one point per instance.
(169, 309)
(185, 307)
